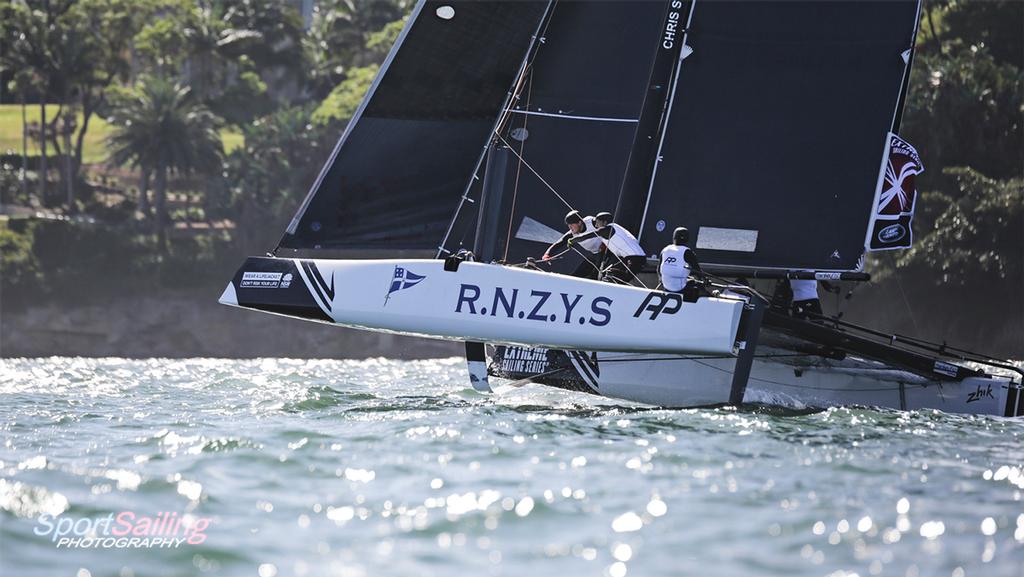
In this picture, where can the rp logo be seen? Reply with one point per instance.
(658, 303)
(670, 260)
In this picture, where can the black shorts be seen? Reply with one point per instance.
(807, 309)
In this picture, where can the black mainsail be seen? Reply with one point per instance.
(768, 152)
(573, 123)
(776, 130)
(397, 173)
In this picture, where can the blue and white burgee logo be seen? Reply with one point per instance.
(402, 280)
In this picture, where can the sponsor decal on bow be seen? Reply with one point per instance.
(571, 370)
(587, 367)
(896, 196)
(271, 280)
(401, 280)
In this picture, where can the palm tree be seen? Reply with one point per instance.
(162, 129)
(337, 38)
(212, 43)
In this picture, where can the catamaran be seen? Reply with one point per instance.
(769, 128)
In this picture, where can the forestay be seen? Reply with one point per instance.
(573, 122)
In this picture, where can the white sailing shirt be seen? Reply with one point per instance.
(591, 244)
(622, 243)
(674, 270)
(804, 290)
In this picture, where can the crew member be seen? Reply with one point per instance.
(623, 249)
(805, 298)
(677, 262)
(578, 227)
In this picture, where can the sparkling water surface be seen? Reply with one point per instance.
(384, 467)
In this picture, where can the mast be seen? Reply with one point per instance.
(503, 115)
(492, 197)
(665, 118)
(630, 209)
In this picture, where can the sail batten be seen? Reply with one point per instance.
(572, 116)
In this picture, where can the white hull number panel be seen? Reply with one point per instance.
(500, 304)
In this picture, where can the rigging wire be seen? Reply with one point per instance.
(519, 167)
(903, 294)
(534, 171)
(521, 81)
(500, 127)
(506, 113)
(564, 201)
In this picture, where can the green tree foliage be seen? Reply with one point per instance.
(160, 46)
(993, 24)
(276, 53)
(211, 44)
(268, 179)
(71, 52)
(341, 103)
(346, 34)
(17, 260)
(976, 233)
(231, 46)
(964, 114)
(244, 99)
(965, 109)
(160, 126)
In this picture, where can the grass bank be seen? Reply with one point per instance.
(95, 149)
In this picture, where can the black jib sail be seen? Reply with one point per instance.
(777, 128)
(572, 125)
(399, 170)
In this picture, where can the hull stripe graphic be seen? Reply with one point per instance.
(321, 283)
(584, 369)
(316, 285)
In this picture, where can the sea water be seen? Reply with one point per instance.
(382, 467)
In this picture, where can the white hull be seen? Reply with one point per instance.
(492, 303)
(656, 350)
(788, 381)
